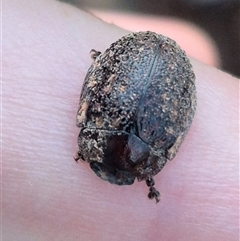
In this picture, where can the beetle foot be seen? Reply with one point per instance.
(153, 192)
(78, 157)
(94, 54)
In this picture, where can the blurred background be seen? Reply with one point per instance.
(219, 20)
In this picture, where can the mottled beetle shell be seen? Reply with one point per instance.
(136, 106)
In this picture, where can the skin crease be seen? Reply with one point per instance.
(47, 196)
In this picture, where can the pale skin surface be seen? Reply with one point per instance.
(47, 196)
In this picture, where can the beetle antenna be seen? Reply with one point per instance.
(153, 192)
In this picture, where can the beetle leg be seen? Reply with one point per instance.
(153, 192)
(78, 156)
(94, 54)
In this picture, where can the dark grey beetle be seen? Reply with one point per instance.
(137, 104)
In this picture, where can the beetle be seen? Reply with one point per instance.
(137, 103)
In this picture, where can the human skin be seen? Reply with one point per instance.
(46, 195)
(187, 35)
